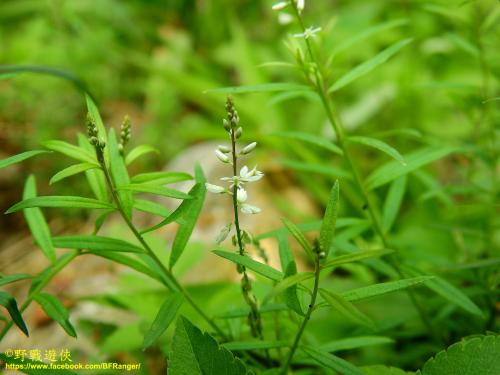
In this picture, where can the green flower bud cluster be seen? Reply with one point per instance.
(231, 124)
(124, 134)
(93, 134)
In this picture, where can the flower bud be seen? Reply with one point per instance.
(216, 189)
(241, 195)
(238, 132)
(221, 156)
(249, 148)
(280, 6)
(227, 125)
(300, 5)
(224, 149)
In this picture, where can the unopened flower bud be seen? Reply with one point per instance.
(216, 189)
(238, 132)
(227, 125)
(102, 144)
(249, 148)
(224, 149)
(300, 5)
(280, 6)
(221, 156)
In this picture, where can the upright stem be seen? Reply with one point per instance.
(312, 304)
(246, 286)
(339, 132)
(150, 252)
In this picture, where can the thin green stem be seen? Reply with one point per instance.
(321, 89)
(168, 274)
(307, 317)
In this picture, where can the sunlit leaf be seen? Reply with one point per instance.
(151, 207)
(56, 311)
(119, 174)
(260, 268)
(160, 178)
(139, 151)
(59, 201)
(156, 190)
(20, 157)
(70, 150)
(7, 279)
(95, 243)
(72, 170)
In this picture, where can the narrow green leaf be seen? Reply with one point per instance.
(393, 202)
(299, 236)
(9, 302)
(56, 311)
(366, 33)
(310, 139)
(327, 230)
(267, 87)
(286, 255)
(254, 345)
(332, 362)
(36, 222)
(448, 291)
(392, 170)
(95, 243)
(197, 353)
(290, 294)
(119, 174)
(190, 216)
(95, 177)
(346, 308)
(289, 282)
(151, 207)
(138, 151)
(94, 113)
(243, 312)
(379, 145)
(164, 317)
(260, 268)
(464, 44)
(59, 201)
(20, 157)
(367, 66)
(383, 288)
(355, 343)
(160, 178)
(72, 170)
(7, 279)
(70, 150)
(157, 190)
(355, 257)
(321, 169)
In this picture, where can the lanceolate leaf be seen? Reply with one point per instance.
(70, 150)
(95, 243)
(369, 65)
(355, 342)
(7, 279)
(151, 207)
(299, 236)
(59, 201)
(355, 257)
(414, 160)
(478, 355)
(346, 308)
(332, 362)
(190, 216)
(260, 268)
(376, 290)
(138, 152)
(267, 87)
(393, 202)
(327, 230)
(119, 174)
(288, 282)
(163, 319)
(254, 345)
(157, 190)
(290, 294)
(55, 310)
(379, 145)
(72, 170)
(310, 139)
(20, 157)
(95, 177)
(7, 301)
(36, 222)
(160, 178)
(197, 353)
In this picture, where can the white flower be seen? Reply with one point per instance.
(221, 156)
(300, 5)
(284, 18)
(216, 189)
(250, 176)
(309, 32)
(280, 6)
(249, 148)
(241, 195)
(249, 209)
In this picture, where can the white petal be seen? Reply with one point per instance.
(216, 189)
(249, 209)
(244, 171)
(241, 195)
(284, 18)
(300, 5)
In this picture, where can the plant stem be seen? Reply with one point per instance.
(322, 90)
(312, 304)
(246, 286)
(168, 274)
(54, 271)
